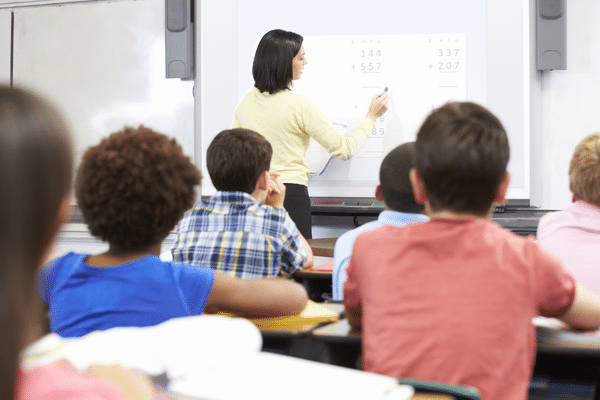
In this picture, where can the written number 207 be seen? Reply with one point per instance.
(447, 65)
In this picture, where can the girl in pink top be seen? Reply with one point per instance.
(573, 234)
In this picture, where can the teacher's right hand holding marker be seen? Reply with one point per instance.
(378, 106)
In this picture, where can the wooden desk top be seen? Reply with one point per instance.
(322, 247)
(339, 331)
(307, 273)
(292, 330)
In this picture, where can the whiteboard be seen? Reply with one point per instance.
(496, 51)
(103, 64)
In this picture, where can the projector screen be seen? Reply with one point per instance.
(426, 52)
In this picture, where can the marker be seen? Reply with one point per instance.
(384, 91)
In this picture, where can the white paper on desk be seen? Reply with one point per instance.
(268, 376)
(176, 346)
(317, 157)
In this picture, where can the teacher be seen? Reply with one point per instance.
(288, 120)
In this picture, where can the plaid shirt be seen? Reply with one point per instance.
(235, 234)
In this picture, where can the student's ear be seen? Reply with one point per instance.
(418, 186)
(502, 189)
(263, 181)
(379, 194)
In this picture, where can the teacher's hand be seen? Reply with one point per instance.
(276, 191)
(378, 107)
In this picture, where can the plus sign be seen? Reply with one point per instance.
(353, 66)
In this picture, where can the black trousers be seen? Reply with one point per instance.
(297, 204)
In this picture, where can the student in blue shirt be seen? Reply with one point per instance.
(400, 208)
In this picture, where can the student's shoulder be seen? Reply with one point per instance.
(380, 236)
(351, 235)
(296, 101)
(65, 260)
(510, 244)
(183, 272)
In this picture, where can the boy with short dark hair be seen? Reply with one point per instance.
(452, 299)
(243, 230)
(400, 208)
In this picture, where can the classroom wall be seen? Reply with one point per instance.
(568, 110)
(570, 102)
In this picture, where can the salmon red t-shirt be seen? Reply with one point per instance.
(453, 301)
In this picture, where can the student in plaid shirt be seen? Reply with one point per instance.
(243, 230)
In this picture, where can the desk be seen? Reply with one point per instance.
(296, 340)
(562, 354)
(322, 247)
(316, 283)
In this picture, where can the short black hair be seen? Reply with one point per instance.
(236, 158)
(134, 186)
(272, 68)
(461, 154)
(395, 182)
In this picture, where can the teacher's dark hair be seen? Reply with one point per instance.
(272, 68)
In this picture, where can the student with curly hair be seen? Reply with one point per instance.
(573, 234)
(132, 188)
(243, 230)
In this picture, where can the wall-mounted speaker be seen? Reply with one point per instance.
(179, 39)
(551, 34)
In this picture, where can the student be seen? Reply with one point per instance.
(288, 120)
(452, 299)
(573, 234)
(35, 181)
(243, 230)
(399, 205)
(132, 188)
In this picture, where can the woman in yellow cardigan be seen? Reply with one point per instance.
(288, 120)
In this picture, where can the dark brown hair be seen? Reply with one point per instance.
(134, 186)
(272, 68)
(35, 178)
(461, 153)
(395, 182)
(236, 158)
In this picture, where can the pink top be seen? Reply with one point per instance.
(453, 301)
(61, 380)
(573, 235)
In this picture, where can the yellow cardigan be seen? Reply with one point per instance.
(288, 121)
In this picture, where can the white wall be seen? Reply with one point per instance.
(570, 105)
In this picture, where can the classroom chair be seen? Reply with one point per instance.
(459, 392)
